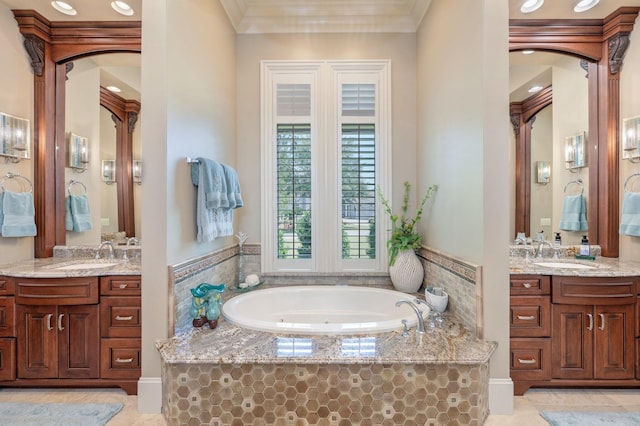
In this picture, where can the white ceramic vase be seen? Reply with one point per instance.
(407, 272)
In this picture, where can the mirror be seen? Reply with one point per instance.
(109, 118)
(558, 110)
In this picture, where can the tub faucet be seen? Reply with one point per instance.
(418, 312)
(541, 244)
(111, 249)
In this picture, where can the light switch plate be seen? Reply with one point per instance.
(545, 221)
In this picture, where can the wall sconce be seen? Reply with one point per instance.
(77, 152)
(137, 171)
(543, 175)
(575, 151)
(108, 171)
(15, 135)
(631, 139)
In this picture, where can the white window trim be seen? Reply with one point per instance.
(324, 77)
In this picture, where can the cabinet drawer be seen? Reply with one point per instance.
(594, 290)
(57, 291)
(120, 359)
(120, 317)
(7, 317)
(7, 286)
(530, 359)
(7, 358)
(530, 316)
(532, 285)
(120, 285)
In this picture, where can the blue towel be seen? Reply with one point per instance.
(80, 212)
(233, 187)
(68, 220)
(214, 181)
(574, 213)
(18, 212)
(630, 219)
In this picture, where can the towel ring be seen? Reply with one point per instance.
(577, 182)
(15, 176)
(627, 181)
(76, 182)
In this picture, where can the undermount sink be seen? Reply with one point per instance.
(565, 265)
(84, 265)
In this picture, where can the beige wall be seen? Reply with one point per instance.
(463, 145)
(189, 101)
(399, 48)
(542, 150)
(630, 107)
(16, 98)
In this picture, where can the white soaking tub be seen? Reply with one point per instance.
(321, 310)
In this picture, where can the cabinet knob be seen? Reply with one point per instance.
(527, 361)
(601, 322)
(122, 286)
(526, 285)
(60, 326)
(49, 326)
(590, 322)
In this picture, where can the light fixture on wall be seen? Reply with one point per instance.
(137, 171)
(64, 7)
(77, 152)
(631, 139)
(584, 5)
(108, 171)
(15, 134)
(543, 169)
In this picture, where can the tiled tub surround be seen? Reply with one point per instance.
(234, 376)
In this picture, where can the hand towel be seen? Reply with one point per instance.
(214, 182)
(80, 212)
(574, 213)
(233, 187)
(630, 219)
(68, 220)
(18, 211)
(210, 223)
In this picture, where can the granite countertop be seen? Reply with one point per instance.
(235, 345)
(47, 268)
(600, 267)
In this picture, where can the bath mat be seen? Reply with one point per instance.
(56, 414)
(591, 418)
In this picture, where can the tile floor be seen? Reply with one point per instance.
(526, 410)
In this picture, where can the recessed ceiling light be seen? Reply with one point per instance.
(63, 7)
(114, 89)
(535, 89)
(585, 5)
(122, 8)
(531, 5)
(528, 52)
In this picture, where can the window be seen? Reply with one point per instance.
(325, 139)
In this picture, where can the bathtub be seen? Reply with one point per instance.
(321, 310)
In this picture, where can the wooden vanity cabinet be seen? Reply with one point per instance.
(593, 338)
(80, 332)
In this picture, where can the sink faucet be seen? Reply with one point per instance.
(418, 312)
(541, 245)
(111, 249)
(133, 241)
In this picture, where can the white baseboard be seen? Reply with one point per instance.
(150, 395)
(500, 396)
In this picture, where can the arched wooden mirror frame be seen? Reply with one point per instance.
(523, 115)
(52, 46)
(602, 44)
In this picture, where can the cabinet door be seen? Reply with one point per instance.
(7, 320)
(7, 358)
(37, 350)
(78, 341)
(572, 347)
(614, 339)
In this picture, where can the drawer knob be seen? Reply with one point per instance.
(526, 317)
(124, 361)
(526, 285)
(527, 361)
(122, 286)
(128, 318)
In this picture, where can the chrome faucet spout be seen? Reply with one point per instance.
(111, 249)
(418, 312)
(539, 251)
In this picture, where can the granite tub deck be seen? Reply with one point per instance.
(235, 376)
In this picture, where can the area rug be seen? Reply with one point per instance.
(591, 418)
(56, 414)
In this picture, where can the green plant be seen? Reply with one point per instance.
(304, 235)
(403, 233)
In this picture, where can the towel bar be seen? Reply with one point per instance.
(628, 179)
(76, 182)
(577, 182)
(15, 176)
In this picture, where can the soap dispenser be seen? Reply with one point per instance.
(585, 250)
(558, 240)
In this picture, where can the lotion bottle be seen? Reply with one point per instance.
(585, 250)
